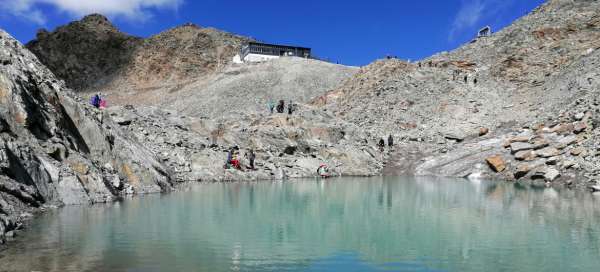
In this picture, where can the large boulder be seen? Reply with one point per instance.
(497, 163)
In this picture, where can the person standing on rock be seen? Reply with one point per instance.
(281, 106)
(381, 145)
(390, 141)
(251, 157)
(96, 100)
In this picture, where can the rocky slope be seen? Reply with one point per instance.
(55, 150)
(91, 55)
(531, 79)
(247, 88)
(286, 146)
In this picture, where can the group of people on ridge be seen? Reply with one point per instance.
(381, 143)
(233, 159)
(280, 107)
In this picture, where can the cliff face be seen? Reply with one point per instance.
(91, 54)
(55, 150)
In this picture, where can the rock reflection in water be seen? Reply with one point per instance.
(366, 224)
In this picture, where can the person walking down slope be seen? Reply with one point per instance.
(381, 145)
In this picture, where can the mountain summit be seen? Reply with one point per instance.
(92, 54)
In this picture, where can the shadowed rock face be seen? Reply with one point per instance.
(86, 52)
(92, 53)
(54, 149)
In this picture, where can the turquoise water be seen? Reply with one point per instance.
(349, 224)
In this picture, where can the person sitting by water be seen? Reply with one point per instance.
(323, 171)
(235, 162)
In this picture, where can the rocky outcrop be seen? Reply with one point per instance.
(85, 53)
(92, 54)
(55, 150)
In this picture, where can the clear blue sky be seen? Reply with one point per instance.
(350, 31)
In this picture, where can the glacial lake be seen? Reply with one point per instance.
(345, 224)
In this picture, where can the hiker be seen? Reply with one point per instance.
(232, 159)
(466, 79)
(95, 101)
(271, 106)
(390, 141)
(251, 157)
(475, 81)
(281, 106)
(290, 107)
(323, 171)
(381, 144)
(235, 162)
(229, 159)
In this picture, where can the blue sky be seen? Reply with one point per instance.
(349, 31)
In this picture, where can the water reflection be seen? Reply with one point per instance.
(350, 224)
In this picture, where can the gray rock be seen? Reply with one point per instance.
(122, 120)
(116, 182)
(71, 191)
(548, 152)
(553, 160)
(520, 146)
(527, 155)
(567, 140)
(549, 174)
(455, 136)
